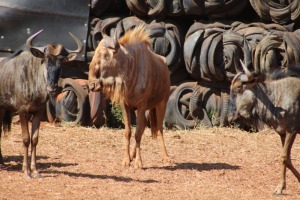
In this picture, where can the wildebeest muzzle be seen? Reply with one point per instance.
(95, 85)
(232, 117)
(52, 89)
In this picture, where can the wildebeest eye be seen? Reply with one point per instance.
(105, 56)
(237, 89)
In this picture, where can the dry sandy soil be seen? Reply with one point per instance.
(85, 163)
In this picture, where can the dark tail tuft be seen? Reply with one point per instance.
(153, 122)
(7, 121)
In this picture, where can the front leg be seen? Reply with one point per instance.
(140, 127)
(287, 142)
(36, 119)
(1, 158)
(26, 141)
(133, 152)
(2, 112)
(126, 118)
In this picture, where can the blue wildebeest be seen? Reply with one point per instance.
(28, 78)
(274, 99)
(128, 72)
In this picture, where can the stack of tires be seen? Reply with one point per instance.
(204, 41)
(212, 52)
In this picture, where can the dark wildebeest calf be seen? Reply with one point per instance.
(276, 101)
(26, 80)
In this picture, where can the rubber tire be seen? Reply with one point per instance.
(177, 112)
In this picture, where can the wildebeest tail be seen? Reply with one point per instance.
(153, 122)
(7, 121)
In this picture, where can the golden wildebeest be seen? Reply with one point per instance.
(129, 73)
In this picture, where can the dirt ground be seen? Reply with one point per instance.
(85, 163)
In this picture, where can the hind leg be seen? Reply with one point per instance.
(160, 113)
(133, 151)
(26, 142)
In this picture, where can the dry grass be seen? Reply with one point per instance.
(85, 163)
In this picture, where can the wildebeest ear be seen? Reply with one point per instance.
(37, 52)
(110, 43)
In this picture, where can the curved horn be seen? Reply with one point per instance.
(247, 72)
(115, 39)
(79, 45)
(247, 54)
(30, 39)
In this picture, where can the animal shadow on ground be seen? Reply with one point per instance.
(98, 176)
(198, 166)
(15, 163)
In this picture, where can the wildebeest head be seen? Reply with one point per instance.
(103, 69)
(240, 96)
(53, 55)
